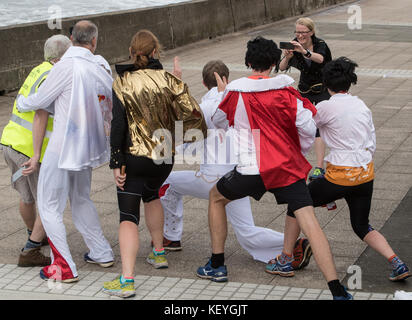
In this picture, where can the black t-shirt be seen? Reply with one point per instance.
(311, 72)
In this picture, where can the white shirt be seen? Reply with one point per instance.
(219, 157)
(345, 125)
(74, 84)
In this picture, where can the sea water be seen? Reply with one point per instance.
(13, 12)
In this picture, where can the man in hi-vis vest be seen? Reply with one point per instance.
(19, 145)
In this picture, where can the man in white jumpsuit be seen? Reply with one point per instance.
(81, 91)
(218, 159)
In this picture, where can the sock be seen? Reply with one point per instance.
(30, 244)
(158, 252)
(218, 260)
(285, 258)
(337, 289)
(395, 261)
(126, 279)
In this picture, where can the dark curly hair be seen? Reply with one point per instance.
(261, 54)
(338, 75)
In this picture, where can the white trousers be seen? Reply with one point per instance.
(262, 243)
(54, 188)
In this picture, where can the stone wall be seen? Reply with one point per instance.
(175, 25)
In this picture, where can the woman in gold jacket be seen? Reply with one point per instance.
(147, 101)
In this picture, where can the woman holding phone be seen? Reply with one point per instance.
(309, 55)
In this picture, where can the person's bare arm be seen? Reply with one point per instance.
(284, 63)
(39, 130)
(315, 57)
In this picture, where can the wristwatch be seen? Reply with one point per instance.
(308, 54)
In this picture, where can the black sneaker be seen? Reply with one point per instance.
(170, 245)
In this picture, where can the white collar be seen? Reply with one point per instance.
(341, 95)
(79, 52)
(251, 85)
(210, 94)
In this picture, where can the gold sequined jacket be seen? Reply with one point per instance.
(151, 99)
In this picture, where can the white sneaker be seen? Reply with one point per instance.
(106, 264)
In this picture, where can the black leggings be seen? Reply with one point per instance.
(143, 180)
(357, 197)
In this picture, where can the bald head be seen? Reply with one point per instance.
(84, 34)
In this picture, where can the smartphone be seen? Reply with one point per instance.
(286, 45)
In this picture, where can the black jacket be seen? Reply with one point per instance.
(311, 73)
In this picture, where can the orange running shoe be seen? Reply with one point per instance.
(301, 253)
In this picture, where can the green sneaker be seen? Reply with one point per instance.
(116, 288)
(158, 261)
(317, 173)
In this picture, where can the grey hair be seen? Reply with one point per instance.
(84, 32)
(56, 46)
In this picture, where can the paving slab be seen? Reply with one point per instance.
(385, 79)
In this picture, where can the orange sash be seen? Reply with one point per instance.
(349, 176)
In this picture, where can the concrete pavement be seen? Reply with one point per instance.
(382, 49)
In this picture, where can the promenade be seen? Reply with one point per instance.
(382, 48)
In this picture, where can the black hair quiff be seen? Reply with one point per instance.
(261, 54)
(339, 74)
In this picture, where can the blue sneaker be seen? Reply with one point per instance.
(317, 173)
(213, 274)
(348, 296)
(401, 272)
(45, 275)
(284, 270)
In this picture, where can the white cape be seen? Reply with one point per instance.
(86, 140)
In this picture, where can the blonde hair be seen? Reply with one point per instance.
(142, 45)
(308, 23)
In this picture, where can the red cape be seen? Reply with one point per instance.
(278, 152)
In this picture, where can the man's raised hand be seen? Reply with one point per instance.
(221, 83)
(177, 70)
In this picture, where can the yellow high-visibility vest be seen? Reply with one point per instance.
(18, 132)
